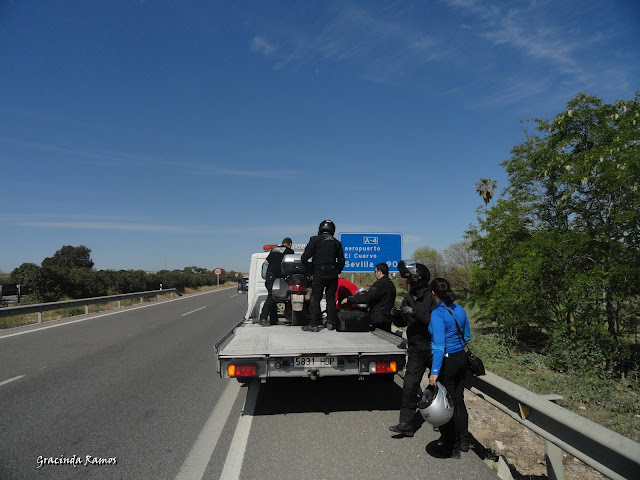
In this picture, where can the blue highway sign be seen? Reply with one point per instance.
(363, 251)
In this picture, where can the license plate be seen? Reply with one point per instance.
(313, 361)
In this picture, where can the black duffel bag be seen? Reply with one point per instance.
(353, 321)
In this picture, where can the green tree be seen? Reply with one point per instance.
(459, 258)
(485, 188)
(432, 259)
(40, 284)
(70, 257)
(560, 250)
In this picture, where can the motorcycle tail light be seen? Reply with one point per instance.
(298, 288)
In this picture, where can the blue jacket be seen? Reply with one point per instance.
(445, 337)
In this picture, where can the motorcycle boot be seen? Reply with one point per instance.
(402, 429)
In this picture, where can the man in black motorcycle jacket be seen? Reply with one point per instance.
(327, 261)
(380, 298)
(415, 314)
(269, 313)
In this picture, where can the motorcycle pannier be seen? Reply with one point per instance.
(279, 290)
(353, 321)
(292, 263)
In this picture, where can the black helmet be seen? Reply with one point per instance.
(327, 226)
(417, 274)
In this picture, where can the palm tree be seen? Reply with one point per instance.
(485, 188)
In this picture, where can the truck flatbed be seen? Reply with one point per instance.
(285, 340)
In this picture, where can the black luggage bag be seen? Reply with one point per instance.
(353, 321)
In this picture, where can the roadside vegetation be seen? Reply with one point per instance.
(549, 274)
(554, 290)
(27, 319)
(69, 274)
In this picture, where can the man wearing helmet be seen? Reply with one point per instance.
(380, 298)
(415, 314)
(325, 256)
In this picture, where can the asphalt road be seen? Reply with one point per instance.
(137, 392)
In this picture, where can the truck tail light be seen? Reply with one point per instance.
(242, 370)
(384, 367)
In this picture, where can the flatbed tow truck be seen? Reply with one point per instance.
(250, 351)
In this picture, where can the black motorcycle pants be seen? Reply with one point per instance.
(452, 376)
(324, 279)
(270, 307)
(418, 362)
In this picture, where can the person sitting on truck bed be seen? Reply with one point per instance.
(327, 259)
(345, 289)
(380, 298)
(273, 261)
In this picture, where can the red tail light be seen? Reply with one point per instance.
(298, 288)
(386, 367)
(243, 370)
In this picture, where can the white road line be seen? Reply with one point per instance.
(11, 380)
(192, 311)
(196, 463)
(233, 463)
(109, 313)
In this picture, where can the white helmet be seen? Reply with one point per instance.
(361, 306)
(436, 406)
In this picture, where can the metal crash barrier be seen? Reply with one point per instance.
(82, 302)
(607, 452)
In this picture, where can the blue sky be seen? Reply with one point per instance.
(166, 133)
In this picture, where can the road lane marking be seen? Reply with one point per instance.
(192, 311)
(109, 313)
(196, 463)
(233, 463)
(11, 380)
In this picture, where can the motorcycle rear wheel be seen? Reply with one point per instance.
(299, 318)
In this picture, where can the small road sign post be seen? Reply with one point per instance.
(218, 272)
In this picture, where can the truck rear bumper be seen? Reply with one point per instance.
(315, 366)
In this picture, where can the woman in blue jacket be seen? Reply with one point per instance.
(449, 364)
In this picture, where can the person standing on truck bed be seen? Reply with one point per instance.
(273, 261)
(327, 260)
(380, 298)
(415, 314)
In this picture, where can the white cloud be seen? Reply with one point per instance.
(261, 45)
(122, 158)
(379, 46)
